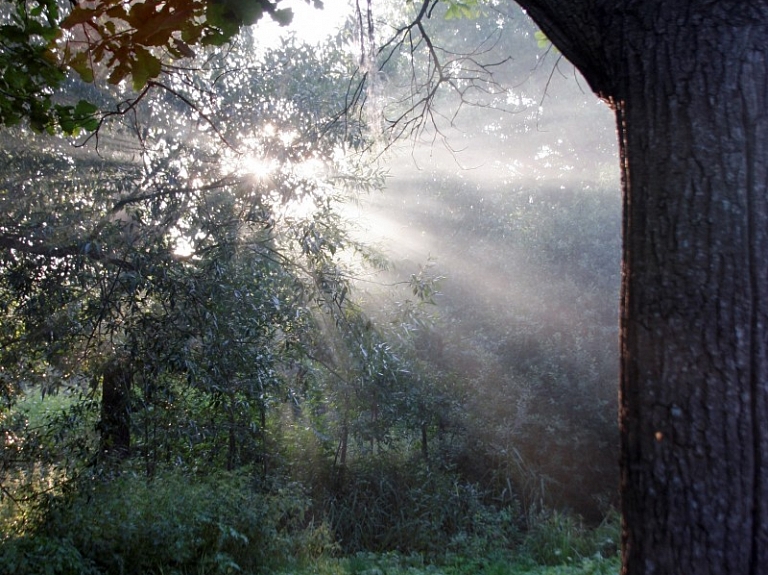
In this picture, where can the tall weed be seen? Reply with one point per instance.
(395, 505)
(560, 538)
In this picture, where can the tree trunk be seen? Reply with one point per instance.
(692, 113)
(231, 434)
(115, 424)
(689, 81)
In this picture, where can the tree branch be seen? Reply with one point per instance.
(87, 250)
(469, 75)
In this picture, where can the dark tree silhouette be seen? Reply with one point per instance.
(115, 423)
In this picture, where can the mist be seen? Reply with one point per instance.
(519, 213)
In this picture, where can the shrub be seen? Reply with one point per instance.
(36, 555)
(387, 505)
(174, 524)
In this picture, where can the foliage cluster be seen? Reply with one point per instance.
(398, 564)
(172, 524)
(527, 318)
(528, 239)
(45, 46)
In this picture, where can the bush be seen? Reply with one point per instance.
(173, 524)
(36, 555)
(394, 505)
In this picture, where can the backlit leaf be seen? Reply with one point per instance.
(145, 67)
(81, 65)
(541, 39)
(283, 16)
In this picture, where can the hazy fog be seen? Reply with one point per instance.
(520, 213)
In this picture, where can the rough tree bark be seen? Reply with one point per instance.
(689, 82)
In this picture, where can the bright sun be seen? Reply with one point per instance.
(310, 24)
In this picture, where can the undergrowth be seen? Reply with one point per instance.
(176, 524)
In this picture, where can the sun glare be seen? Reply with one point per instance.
(183, 247)
(296, 209)
(312, 169)
(260, 168)
(311, 25)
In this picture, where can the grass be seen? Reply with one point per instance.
(557, 544)
(396, 564)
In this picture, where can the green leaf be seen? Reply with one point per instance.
(284, 16)
(66, 121)
(220, 23)
(457, 9)
(145, 67)
(541, 39)
(72, 120)
(85, 108)
(82, 66)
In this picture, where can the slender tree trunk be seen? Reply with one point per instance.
(232, 436)
(341, 452)
(264, 445)
(115, 424)
(692, 110)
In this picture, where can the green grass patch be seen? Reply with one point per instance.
(397, 564)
